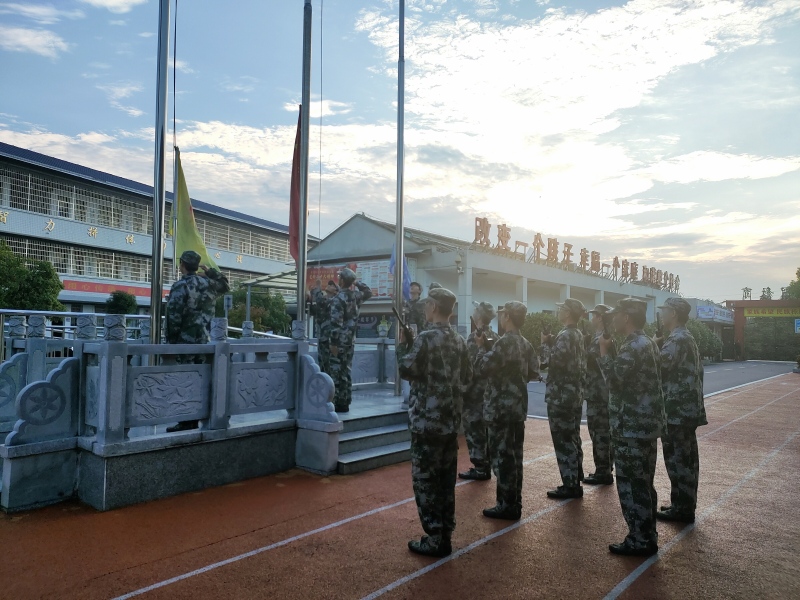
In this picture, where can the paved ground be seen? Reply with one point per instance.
(296, 535)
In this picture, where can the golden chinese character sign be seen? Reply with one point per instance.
(785, 311)
(560, 255)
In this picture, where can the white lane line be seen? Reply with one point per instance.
(416, 574)
(794, 391)
(295, 538)
(328, 527)
(736, 387)
(636, 573)
(464, 550)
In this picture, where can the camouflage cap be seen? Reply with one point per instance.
(575, 307)
(679, 305)
(630, 306)
(601, 309)
(444, 299)
(485, 309)
(434, 285)
(348, 276)
(191, 259)
(514, 309)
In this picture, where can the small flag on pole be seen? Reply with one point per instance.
(185, 235)
(406, 274)
(294, 196)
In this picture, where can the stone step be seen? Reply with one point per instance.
(365, 460)
(364, 439)
(353, 422)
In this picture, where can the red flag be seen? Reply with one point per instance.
(294, 197)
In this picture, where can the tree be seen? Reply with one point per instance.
(267, 311)
(14, 274)
(793, 290)
(28, 285)
(121, 303)
(535, 323)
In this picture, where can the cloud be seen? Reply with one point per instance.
(119, 91)
(115, 6)
(181, 65)
(44, 14)
(146, 34)
(36, 41)
(243, 85)
(324, 108)
(118, 23)
(718, 166)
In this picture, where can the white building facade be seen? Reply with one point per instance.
(96, 230)
(473, 271)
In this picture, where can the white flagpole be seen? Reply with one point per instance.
(302, 258)
(399, 248)
(156, 273)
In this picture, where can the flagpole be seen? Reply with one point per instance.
(399, 248)
(159, 201)
(302, 258)
(174, 216)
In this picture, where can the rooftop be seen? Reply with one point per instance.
(35, 159)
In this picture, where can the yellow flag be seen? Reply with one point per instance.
(185, 235)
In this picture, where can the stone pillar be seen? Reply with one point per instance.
(144, 330)
(465, 307)
(522, 290)
(36, 326)
(111, 393)
(219, 329)
(86, 327)
(114, 328)
(599, 297)
(17, 326)
(247, 329)
(298, 330)
(564, 292)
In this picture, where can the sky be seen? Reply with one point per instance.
(666, 132)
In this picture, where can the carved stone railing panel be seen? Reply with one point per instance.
(48, 410)
(365, 366)
(166, 394)
(92, 391)
(257, 387)
(36, 326)
(315, 398)
(13, 377)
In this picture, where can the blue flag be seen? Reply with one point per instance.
(406, 274)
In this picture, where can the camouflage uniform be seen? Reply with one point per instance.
(190, 309)
(438, 367)
(475, 430)
(321, 305)
(566, 361)
(636, 416)
(509, 366)
(682, 383)
(415, 313)
(595, 391)
(344, 309)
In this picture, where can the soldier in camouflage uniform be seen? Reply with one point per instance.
(636, 415)
(595, 390)
(321, 306)
(414, 308)
(509, 366)
(438, 367)
(682, 383)
(474, 424)
(344, 310)
(413, 314)
(190, 309)
(565, 356)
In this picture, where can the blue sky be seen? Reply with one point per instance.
(666, 132)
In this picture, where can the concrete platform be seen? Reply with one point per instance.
(295, 535)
